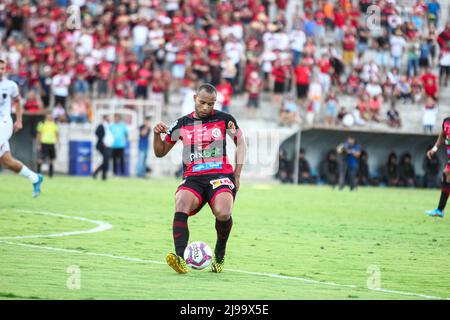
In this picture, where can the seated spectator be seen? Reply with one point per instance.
(304, 169)
(363, 107)
(33, 102)
(429, 115)
(356, 114)
(430, 84)
(79, 110)
(416, 89)
(373, 88)
(403, 90)
(353, 85)
(289, 113)
(363, 174)
(375, 107)
(341, 114)
(391, 174)
(393, 117)
(407, 174)
(284, 173)
(330, 169)
(59, 114)
(432, 168)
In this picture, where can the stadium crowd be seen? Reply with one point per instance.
(309, 60)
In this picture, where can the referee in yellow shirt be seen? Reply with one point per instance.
(48, 135)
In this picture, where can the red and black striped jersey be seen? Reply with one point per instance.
(204, 142)
(446, 129)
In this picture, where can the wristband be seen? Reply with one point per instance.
(434, 149)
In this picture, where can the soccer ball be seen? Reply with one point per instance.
(198, 255)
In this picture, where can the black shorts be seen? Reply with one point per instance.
(424, 62)
(47, 151)
(207, 187)
(302, 90)
(253, 102)
(278, 87)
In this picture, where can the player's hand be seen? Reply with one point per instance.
(17, 126)
(232, 128)
(238, 183)
(430, 153)
(161, 127)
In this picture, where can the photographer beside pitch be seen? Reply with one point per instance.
(208, 175)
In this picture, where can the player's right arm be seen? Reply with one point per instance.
(440, 140)
(161, 147)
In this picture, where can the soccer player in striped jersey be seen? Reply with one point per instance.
(444, 136)
(208, 176)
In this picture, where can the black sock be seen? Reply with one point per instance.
(223, 229)
(38, 168)
(50, 170)
(180, 232)
(444, 193)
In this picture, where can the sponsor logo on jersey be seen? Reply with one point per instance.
(205, 153)
(207, 166)
(172, 126)
(222, 182)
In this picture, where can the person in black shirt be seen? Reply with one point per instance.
(391, 171)
(104, 142)
(431, 167)
(406, 171)
(284, 173)
(330, 169)
(304, 170)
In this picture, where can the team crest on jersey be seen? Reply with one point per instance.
(222, 182)
(216, 133)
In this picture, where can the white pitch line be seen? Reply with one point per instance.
(106, 255)
(101, 226)
(230, 270)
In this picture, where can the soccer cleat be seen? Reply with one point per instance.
(217, 264)
(176, 263)
(435, 213)
(37, 186)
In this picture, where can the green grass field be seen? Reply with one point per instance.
(287, 242)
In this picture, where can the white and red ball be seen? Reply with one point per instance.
(198, 255)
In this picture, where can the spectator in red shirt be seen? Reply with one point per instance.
(430, 84)
(226, 90)
(302, 79)
(280, 73)
(33, 102)
(339, 23)
(142, 82)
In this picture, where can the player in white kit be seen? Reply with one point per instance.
(9, 95)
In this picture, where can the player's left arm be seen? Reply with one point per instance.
(440, 140)
(235, 132)
(17, 103)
